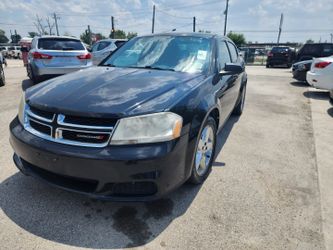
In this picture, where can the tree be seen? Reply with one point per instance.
(32, 34)
(3, 38)
(99, 36)
(238, 39)
(15, 38)
(118, 34)
(309, 41)
(85, 37)
(130, 35)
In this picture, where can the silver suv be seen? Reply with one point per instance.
(56, 55)
(103, 48)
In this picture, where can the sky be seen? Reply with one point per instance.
(258, 20)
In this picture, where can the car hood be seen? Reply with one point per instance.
(112, 92)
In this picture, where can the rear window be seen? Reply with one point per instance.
(280, 49)
(59, 44)
(119, 43)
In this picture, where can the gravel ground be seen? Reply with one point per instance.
(270, 187)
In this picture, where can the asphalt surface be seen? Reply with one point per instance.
(270, 187)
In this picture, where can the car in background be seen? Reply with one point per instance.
(14, 52)
(314, 50)
(320, 75)
(101, 49)
(138, 125)
(2, 71)
(300, 69)
(4, 51)
(56, 55)
(280, 56)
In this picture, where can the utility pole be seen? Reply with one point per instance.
(331, 37)
(280, 29)
(153, 21)
(56, 22)
(194, 24)
(226, 17)
(112, 27)
(89, 34)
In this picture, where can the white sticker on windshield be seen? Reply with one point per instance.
(202, 55)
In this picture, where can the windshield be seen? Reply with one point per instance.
(176, 53)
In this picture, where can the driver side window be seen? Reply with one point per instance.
(223, 55)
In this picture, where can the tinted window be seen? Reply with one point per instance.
(119, 43)
(223, 54)
(178, 53)
(233, 52)
(311, 49)
(103, 45)
(327, 50)
(59, 44)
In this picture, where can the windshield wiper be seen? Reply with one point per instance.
(109, 65)
(158, 68)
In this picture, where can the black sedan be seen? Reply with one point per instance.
(137, 126)
(299, 70)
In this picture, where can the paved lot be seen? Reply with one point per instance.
(270, 188)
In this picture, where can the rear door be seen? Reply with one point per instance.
(62, 52)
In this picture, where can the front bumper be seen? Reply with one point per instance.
(299, 75)
(140, 172)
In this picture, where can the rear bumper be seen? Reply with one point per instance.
(122, 173)
(278, 61)
(319, 81)
(48, 71)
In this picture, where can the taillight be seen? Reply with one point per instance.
(84, 56)
(322, 65)
(270, 54)
(37, 55)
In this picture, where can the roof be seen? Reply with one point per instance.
(68, 37)
(196, 34)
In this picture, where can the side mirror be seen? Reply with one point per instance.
(231, 68)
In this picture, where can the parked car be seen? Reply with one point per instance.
(56, 55)
(321, 73)
(314, 50)
(300, 69)
(103, 48)
(280, 56)
(2, 72)
(4, 51)
(14, 52)
(138, 125)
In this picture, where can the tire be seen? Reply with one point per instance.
(267, 65)
(2, 76)
(32, 76)
(288, 65)
(238, 110)
(204, 152)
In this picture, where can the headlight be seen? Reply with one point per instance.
(301, 67)
(147, 129)
(21, 110)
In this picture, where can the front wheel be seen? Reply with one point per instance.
(204, 153)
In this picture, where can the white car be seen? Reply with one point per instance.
(103, 48)
(320, 75)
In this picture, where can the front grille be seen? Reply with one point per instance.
(126, 189)
(72, 130)
(40, 127)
